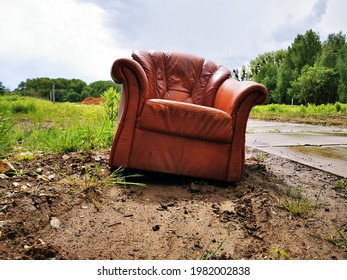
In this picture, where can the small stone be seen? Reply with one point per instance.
(51, 177)
(65, 157)
(55, 223)
(39, 170)
(156, 228)
(15, 184)
(6, 166)
(26, 247)
(42, 242)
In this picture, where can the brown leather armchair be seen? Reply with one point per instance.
(182, 114)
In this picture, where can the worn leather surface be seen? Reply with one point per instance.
(182, 114)
(185, 120)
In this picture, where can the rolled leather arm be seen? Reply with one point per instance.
(119, 76)
(232, 93)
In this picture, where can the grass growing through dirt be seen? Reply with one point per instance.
(30, 124)
(299, 204)
(330, 114)
(338, 238)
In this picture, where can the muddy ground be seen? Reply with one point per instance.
(67, 207)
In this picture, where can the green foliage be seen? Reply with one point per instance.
(316, 84)
(284, 72)
(264, 69)
(303, 52)
(111, 105)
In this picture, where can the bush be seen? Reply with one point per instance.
(23, 107)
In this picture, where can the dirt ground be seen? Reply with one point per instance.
(67, 207)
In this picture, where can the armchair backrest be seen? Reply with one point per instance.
(181, 77)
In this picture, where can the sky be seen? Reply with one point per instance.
(81, 38)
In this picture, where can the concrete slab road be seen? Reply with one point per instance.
(320, 147)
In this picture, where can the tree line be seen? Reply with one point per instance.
(65, 90)
(308, 71)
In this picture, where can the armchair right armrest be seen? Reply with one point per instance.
(233, 96)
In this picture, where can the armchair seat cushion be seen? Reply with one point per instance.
(186, 120)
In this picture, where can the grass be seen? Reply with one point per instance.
(30, 124)
(212, 254)
(299, 204)
(330, 114)
(339, 184)
(279, 254)
(338, 238)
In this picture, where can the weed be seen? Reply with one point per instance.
(299, 204)
(5, 126)
(112, 98)
(339, 184)
(210, 255)
(118, 178)
(338, 238)
(280, 254)
(26, 156)
(261, 156)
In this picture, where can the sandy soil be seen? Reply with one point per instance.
(67, 207)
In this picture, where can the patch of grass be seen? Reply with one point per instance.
(299, 204)
(339, 184)
(338, 238)
(92, 182)
(39, 125)
(118, 178)
(329, 114)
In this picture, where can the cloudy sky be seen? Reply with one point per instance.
(81, 38)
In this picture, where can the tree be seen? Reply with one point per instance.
(303, 52)
(334, 55)
(341, 68)
(316, 84)
(331, 50)
(2, 88)
(264, 69)
(99, 87)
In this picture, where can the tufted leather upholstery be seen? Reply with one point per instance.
(182, 114)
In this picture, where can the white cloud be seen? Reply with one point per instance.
(55, 38)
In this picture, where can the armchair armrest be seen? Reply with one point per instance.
(232, 93)
(237, 99)
(118, 73)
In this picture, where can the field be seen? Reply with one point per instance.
(330, 114)
(63, 202)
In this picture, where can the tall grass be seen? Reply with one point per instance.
(329, 114)
(31, 124)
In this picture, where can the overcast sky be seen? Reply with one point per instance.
(81, 38)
